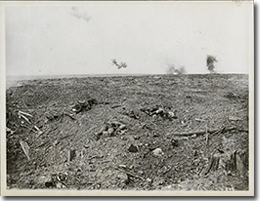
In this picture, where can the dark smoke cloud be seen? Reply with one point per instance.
(80, 14)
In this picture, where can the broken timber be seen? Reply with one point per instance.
(202, 132)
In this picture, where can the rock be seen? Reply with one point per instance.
(193, 136)
(62, 176)
(149, 180)
(9, 131)
(59, 185)
(140, 172)
(50, 184)
(55, 142)
(44, 179)
(110, 131)
(158, 181)
(122, 132)
(47, 181)
(171, 114)
(76, 108)
(158, 152)
(136, 137)
(122, 166)
(103, 128)
(105, 133)
(133, 148)
(123, 177)
(115, 124)
(174, 142)
(122, 127)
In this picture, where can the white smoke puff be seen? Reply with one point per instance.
(80, 14)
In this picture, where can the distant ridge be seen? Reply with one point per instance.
(33, 77)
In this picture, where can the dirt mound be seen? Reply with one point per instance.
(181, 132)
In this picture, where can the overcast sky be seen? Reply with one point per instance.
(73, 39)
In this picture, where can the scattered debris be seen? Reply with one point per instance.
(71, 154)
(193, 136)
(115, 106)
(110, 129)
(9, 131)
(39, 131)
(83, 105)
(25, 118)
(122, 166)
(232, 95)
(24, 113)
(69, 115)
(207, 136)
(202, 132)
(234, 118)
(152, 153)
(130, 174)
(130, 113)
(164, 112)
(200, 120)
(25, 148)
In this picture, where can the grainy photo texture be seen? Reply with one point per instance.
(121, 96)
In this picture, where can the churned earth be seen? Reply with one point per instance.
(168, 132)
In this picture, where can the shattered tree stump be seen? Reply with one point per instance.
(234, 163)
(237, 164)
(213, 164)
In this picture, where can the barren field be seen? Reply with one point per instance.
(168, 132)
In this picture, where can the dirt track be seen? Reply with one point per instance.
(125, 158)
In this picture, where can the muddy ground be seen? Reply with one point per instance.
(169, 132)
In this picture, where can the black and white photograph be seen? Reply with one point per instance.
(127, 98)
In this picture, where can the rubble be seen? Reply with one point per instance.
(83, 105)
(110, 129)
(163, 112)
(234, 118)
